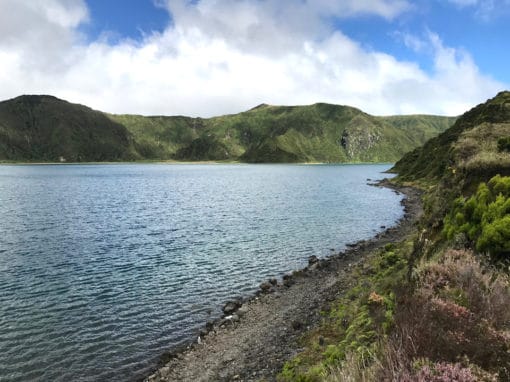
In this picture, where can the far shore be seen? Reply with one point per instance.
(174, 162)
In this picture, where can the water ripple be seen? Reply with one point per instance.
(103, 268)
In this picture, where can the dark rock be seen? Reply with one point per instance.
(273, 282)
(312, 260)
(265, 287)
(231, 306)
(322, 341)
(296, 325)
(203, 332)
(288, 280)
(229, 320)
(209, 326)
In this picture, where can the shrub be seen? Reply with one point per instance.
(484, 218)
(457, 310)
(504, 144)
(444, 372)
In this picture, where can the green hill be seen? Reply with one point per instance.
(315, 133)
(44, 128)
(465, 171)
(474, 145)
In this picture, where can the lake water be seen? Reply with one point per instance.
(104, 267)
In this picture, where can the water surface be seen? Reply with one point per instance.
(104, 267)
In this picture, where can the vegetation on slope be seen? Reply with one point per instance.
(43, 128)
(475, 144)
(435, 306)
(315, 133)
(483, 220)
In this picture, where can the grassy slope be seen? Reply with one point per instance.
(472, 140)
(159, 137)
(315, 133)
(44, 128)
(431, 307)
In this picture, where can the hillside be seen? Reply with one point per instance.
(434, 306)
(44, 128)
(475, 144)
(315, 133)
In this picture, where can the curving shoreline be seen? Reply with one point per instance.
(252, 342)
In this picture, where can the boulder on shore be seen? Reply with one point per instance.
(266, 286)
(312, 260)
(231, 306)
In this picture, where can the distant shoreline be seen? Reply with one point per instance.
(172, 162)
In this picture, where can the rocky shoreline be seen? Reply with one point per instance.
(256, 336)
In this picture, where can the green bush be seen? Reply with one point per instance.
(504, 144)
(484, 218)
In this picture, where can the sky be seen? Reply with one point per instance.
(213, 57)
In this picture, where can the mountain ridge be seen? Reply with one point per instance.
(46, 128)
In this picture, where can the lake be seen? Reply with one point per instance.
(105, 267)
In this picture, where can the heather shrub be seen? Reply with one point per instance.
(445, 372)
(459, 277)
(457, 310)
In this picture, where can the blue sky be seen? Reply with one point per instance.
(209, 57)
(125, 19)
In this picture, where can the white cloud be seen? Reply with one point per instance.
(388, 9)
(224, 56)
(485, 9)
(411, 41)
(455, 83)
(40, 33)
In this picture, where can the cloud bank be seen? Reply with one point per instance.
(226, 56)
